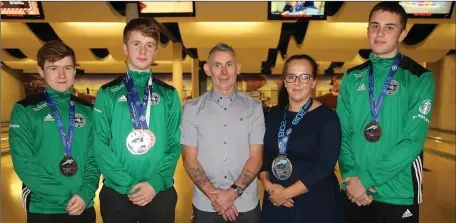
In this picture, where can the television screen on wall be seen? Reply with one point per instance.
(428, 9)
(21, 10)
(167, 9)
(296, 10)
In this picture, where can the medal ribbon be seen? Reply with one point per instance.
(140, 121)
(283, 140)
(66, 139)
(375, 107)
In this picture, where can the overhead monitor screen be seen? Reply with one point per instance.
(21, 10)
(428, 9)
(296, 10)
(167, 9)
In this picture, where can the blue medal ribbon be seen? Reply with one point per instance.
(283, 136)
(136, 107)
(375, 107)
(66, 139)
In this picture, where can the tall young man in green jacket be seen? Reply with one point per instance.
(384, 127)
(50, 138)
(136, 141)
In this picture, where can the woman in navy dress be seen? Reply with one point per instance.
(299, 180)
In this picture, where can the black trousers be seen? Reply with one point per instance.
(88, 216)
(378, 212)
(117, 208)
(252, 216)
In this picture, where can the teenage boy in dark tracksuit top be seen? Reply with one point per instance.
(136, 142)
(50, 138)
(385, 106)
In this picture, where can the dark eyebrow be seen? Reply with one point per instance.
(55, 66)
(387, 24)
(298, 74)
(137, 41)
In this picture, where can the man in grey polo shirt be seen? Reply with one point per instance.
(222, 143)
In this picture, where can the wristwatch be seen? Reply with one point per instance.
(238, 190)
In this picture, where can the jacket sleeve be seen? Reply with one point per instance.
(347, 164)
(164, 176)
(29, 169)
(91, 174)
(106, 159)
(329, 148)
(411, 144)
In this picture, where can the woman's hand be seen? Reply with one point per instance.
(279, 197)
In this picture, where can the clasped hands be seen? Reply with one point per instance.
(356, 192)
(76, 205)
(223, 203)
(144, 195)
(279, 197)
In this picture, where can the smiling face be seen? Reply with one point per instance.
(223, 69)
(58, 75)
(299, 90)
(385, 32)
(140, 51)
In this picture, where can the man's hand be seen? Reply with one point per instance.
(76, 205)
(231, 214)
(356, 192)
(144, 196)
(224, 200)
(212, 194)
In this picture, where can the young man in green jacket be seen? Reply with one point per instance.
(50, 136)
(136, 141)
(384, 127)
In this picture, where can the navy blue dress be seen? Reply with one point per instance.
(313, 149)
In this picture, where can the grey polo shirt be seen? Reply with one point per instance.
(223, 129)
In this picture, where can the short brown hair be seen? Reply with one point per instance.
(53, 51)
(392, 7)
(145, 26)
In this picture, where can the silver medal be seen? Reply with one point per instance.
(282, 167)
(139, 141)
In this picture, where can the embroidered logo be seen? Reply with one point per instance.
(39, 107)
(14, 126)
(114, 89)
(425, 107)
(359, 75)
(122, 99)
(79, 120)
(49, 118)
(407, 214)
(154, 99)
(392, 88)
(362, 87)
